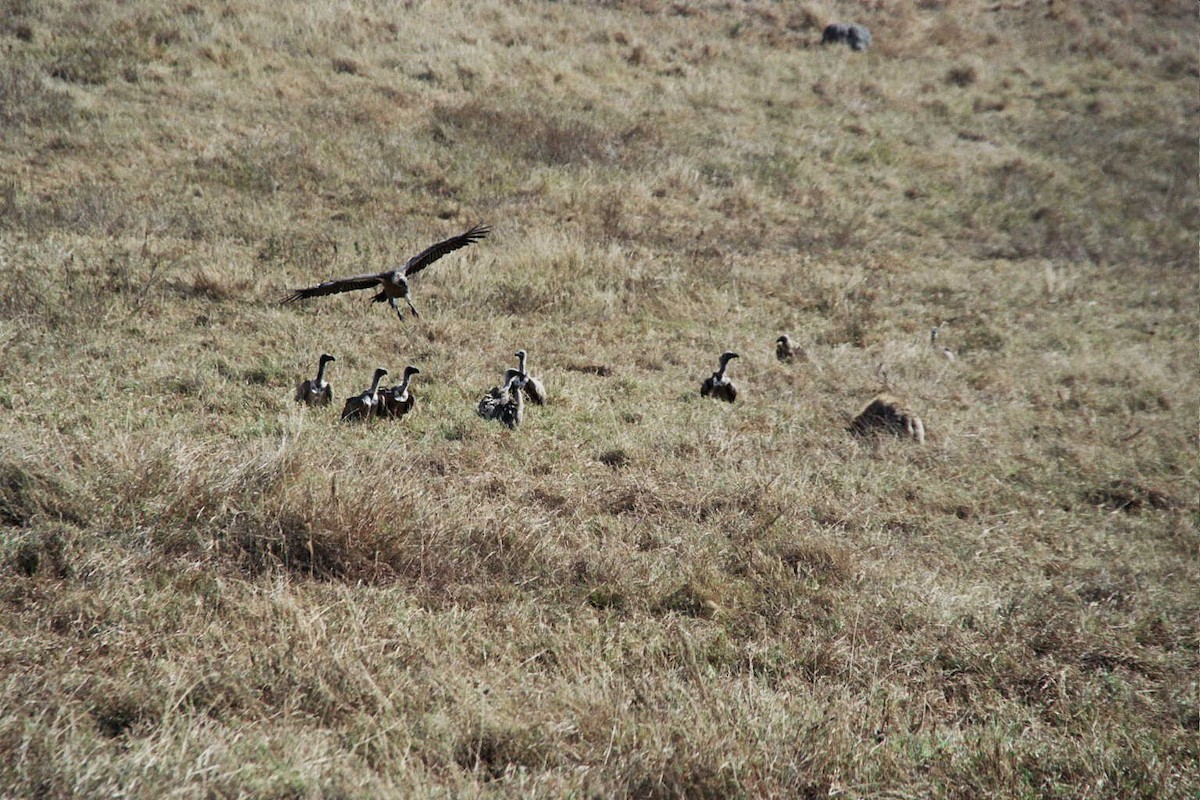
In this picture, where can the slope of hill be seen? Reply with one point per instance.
(207, 590)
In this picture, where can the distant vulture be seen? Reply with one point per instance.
(505, 403)
(888, 414)
(362, 406)
(717, 385)
(785, 351)
(857, 36)
(393, 283)
(535, 392)
(316, 391)
(937, 348)
(398, 400)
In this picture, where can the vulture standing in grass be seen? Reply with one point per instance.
(887, 414)
(398, 400)
(316, 391)
(785, 351)
(946, 352)
(535, 392)
(362, 406)
(505, 403)
(717, 385)
(393, 283)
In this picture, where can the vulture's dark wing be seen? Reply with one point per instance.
(433, 253)
(335, 287)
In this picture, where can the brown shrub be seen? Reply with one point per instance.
(888, 414)
(497, 751)
(962, 76)
(27, 494)
(823, 563)
(690, 600)
(534, 136)
(25, 100)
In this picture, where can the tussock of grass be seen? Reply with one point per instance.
(26, 99)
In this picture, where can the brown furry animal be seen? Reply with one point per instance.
(886, 413)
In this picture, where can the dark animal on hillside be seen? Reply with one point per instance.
(316, 391)
(946, 352)
(398, 400)
(856, 36)
(505, 403)
(535, 392)
(785, 351)
(717, 385)
(362, 406)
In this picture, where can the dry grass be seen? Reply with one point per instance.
(210, 591)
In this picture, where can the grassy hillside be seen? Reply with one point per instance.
(207, 590)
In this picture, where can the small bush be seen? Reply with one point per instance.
(1128, 496)
(691, 601)
(43, 552)
(692, 773)
(497, 751)
(97, 57)
(26, 495)
(533, 136)
(26, 100)
(347, 66)
(616, 458)
(607, 598)
(826, 564)
(962, 76)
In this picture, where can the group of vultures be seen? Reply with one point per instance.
(505, 403)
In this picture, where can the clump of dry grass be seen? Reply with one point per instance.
(887, 413)
(28, 496)
(26, 100)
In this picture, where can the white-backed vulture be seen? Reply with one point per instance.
(785, 351)
(717, 385)
(392, 283)
(398, 400)
(534, 391)
(316, 391)
(946, 352)
(505, 403)
(362, 406)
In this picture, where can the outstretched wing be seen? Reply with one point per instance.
(335, 287)
(433, 253)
